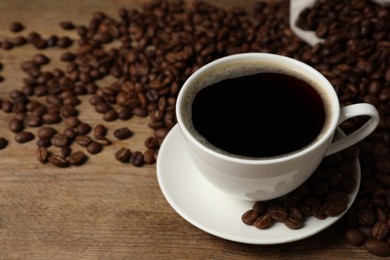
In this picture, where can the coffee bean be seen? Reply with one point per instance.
(51, 118)
(104, 141)
(260, 207)
(293, 223)
(64, 42)
(278, 213)
(16, 125)
(249, 217)
(263, 221)
(335, 204)
(123, 133)
(377, 247)
(83, 128)
(70, 133)
(125, 113)
(99, 131)
(102, 107)
(123, 155)
(151, 142)
(3, 143)
(40, 59)
(72, 121)
(24, 137)
(46, 132)
(354, 236)
(380, 230)
(365, 216)
(16, 27)
(137, 159)
(68, 111)
(44, 142)
(59, 140)
(110, 115)
(67, 25)
(67, 56)
(77, 158)
(149, 156)
(32, 121)
(83, 140)
(58, 161)
(94, 147)
(42, 154)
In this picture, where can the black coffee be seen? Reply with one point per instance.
(261, 115)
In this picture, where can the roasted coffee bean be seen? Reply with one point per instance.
(139, 111)
(380, 230)
(83, 140)
(40, 59)
(16, 125)
(335, 204)
(365, 216)
(44, 142)
(110, 115)
(72, 121)
(149, 156)
(77, 158)
(125, 113)
(102, 107)
(65, 151)
(94, 147)
(68, 111)
(260, 207)
(46, 132)
(70, 133)
(249, 217)
(123, 155)
(263, 221)
(58, 161)
(24, 137)
(3, 143)
(64, 42)
(354, 236)
(33, 121)
(67, 25)
(137, 159)
(59, 140)
(151, 142)
(67, 56)
(51, 118)
(42, 154)
(278, 213)
(293, 223)
(104, 141)
(377, 247)
(16, 27)
(83, 128)
(123, 133)
(99, 131)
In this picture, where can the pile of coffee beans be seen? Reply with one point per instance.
(161, 44)
(323, 195)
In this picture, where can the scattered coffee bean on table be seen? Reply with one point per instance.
(164, 42)
(3, 142)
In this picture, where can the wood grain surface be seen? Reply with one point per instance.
(105, 209)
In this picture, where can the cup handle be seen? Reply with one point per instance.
(362, 109)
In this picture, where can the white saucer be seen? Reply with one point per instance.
(212, 211)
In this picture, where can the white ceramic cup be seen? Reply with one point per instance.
(266, 178)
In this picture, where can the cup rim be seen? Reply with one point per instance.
(335, 107)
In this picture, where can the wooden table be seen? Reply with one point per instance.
(105, 209)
